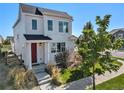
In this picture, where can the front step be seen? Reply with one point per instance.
(40, 68)
(39, 71)
(45, 86)
(45, 81)
(42, 76)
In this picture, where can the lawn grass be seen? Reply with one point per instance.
(116, 83)
(69, 75)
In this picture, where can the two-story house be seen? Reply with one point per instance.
(40, 33)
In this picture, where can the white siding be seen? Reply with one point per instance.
(58, 36)
(19, 42)
(44, 51)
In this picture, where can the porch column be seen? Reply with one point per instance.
(29, 62)
(47, 52)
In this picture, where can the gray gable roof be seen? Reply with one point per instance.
(32, 10)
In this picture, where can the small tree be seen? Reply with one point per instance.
(94, 47)
(6, 42)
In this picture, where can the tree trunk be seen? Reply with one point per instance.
(93, 77)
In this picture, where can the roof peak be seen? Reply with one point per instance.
(31, 9)
(40, 7)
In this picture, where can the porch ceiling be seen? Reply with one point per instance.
(36, 37)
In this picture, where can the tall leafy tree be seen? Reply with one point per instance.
(95, 46)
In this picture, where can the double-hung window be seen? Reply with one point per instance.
(50, 25)
(66, 27)
(34, 24)
(61, 47)
(60, 26)
(63, 26)
(57, 47)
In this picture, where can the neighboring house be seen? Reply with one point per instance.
(1, 39)
(40, 33)
(118, 33)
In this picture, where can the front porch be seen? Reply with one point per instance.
(36, 50)
(38, 53)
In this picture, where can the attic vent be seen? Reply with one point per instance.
(37, 12)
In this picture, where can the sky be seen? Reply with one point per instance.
(81, 13)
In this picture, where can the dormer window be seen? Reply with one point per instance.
(34, 24)
(50, 25)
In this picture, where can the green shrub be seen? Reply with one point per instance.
(65, 75)
(69, 75)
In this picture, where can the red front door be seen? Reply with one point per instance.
(34, 52)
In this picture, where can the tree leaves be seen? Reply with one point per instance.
(95, 46)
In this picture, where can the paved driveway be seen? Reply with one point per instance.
(118, 54)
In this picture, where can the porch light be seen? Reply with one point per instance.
(40, 44)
